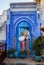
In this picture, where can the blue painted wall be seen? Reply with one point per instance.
(8, 30)
(15, 18)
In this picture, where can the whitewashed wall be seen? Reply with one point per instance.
(3, 33)
(3, 19)
(42, 13)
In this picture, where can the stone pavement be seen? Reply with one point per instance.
(26, 61)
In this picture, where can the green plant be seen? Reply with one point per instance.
(28, 52)
(11, 51)
(37, 45)
(22, 54)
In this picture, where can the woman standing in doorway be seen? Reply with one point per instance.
(22, 42)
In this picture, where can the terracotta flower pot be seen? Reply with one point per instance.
(42, 28)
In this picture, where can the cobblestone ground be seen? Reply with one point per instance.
(27, 61)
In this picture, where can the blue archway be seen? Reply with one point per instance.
(15, 19)
(28, 20)
(30, 25)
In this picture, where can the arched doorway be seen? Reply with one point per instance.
(22, 27)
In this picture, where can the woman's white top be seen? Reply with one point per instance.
(22, 38)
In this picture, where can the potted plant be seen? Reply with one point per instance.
(16, 54)
(37, 48)
(22, 54)
(28, 52)
(42, 47)
(10, 53)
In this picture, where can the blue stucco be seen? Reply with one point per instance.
(13, 23)
(8, 30)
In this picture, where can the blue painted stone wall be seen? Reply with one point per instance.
(15, 18)
(8, 30)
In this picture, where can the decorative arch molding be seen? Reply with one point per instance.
(28, 20)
